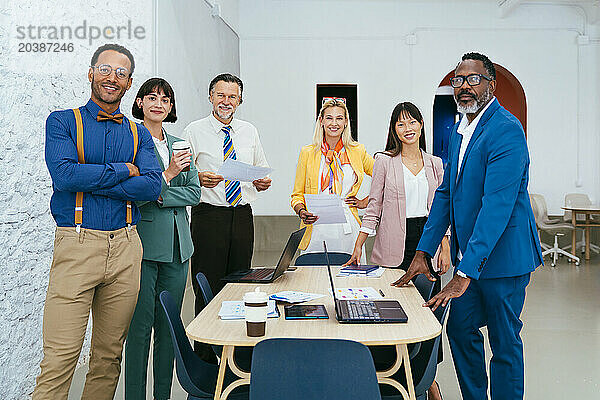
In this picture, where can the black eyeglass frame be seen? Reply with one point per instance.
(466, 78)
(117, 70)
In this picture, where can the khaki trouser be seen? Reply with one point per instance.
(97, 270)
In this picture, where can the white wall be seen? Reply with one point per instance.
(33, 85)
(192, 48)
(364, 42)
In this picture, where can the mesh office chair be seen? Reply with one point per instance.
(579, 200)
(540, 212)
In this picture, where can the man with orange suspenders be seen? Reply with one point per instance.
(100, 162)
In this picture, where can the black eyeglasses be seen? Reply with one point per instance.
(472, 80)
(105, 69)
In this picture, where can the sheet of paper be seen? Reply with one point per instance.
(359, 293)
(373, 274)
(235, 310)
(291, 296)
(238, 171)
(328, 207)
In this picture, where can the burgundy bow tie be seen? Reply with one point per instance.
(104, 116)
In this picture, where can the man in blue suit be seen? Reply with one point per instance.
(494, 242)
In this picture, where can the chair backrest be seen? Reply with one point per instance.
(540, 210)
(535, 208)
(312, 369)
(319, 259)
(576, 200)
(424, 286)
(207, 294)
(428, 375)
(192, 372)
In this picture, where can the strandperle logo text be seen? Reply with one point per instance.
(84, 31)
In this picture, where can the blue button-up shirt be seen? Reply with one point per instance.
(104, 178)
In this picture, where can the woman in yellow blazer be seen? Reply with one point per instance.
(333, 164)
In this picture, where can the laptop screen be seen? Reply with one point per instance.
(288, 252)
(335, 303)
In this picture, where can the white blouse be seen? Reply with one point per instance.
(163, 151)
(416, 189)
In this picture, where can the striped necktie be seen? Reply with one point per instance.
(233, 192)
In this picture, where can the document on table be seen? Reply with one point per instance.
(234, 170)
(360, 293)
(328, 207)
(291, 296)
(235, 310)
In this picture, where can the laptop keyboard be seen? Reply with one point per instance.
(362, 309)
(258, 273)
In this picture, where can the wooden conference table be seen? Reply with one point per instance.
(422, 324)
(587, 211)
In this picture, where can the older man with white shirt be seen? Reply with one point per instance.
(222, 224)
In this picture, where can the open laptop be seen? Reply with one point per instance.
(364, 311)
(268, 275)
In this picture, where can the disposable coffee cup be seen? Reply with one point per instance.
(255, 308)
(182, 145)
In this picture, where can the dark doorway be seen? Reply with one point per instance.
(444, 118)
(345, 91)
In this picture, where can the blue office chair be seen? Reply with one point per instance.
(424, 286)
(423, 372)
(197, 377)
(242, 355)
(312, 369)
(319, 259)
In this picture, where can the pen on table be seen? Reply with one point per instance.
(381, 292)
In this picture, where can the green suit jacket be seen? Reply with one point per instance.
(160, 221)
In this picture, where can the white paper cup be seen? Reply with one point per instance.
(255, 308)
(182, 145)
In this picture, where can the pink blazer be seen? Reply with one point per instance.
(386, 211)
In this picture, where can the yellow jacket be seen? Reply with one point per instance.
(307, 177)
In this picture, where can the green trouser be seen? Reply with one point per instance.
(148, 315)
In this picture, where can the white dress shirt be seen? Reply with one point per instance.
(416, 188)
(206, 140)
(467, 129)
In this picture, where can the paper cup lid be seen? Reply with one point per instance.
(256, 296)
(180, 145)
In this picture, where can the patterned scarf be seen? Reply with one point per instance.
(333, 175)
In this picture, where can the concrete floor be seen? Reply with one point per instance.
(561, 335)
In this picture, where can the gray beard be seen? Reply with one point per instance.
(475, 106)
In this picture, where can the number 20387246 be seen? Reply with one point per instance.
(45, 47)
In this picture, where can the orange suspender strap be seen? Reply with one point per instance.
(81, 159)
(134, 132)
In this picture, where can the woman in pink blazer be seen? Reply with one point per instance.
(405, 178)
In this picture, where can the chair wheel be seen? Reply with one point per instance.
(577, 263)
(553, 265)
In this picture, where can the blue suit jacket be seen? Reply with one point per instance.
(488, 206)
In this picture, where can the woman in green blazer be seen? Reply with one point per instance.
(165, 233)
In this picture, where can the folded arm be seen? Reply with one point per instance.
(148, 185)
(66, 172)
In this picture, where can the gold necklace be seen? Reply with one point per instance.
(414, 163)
